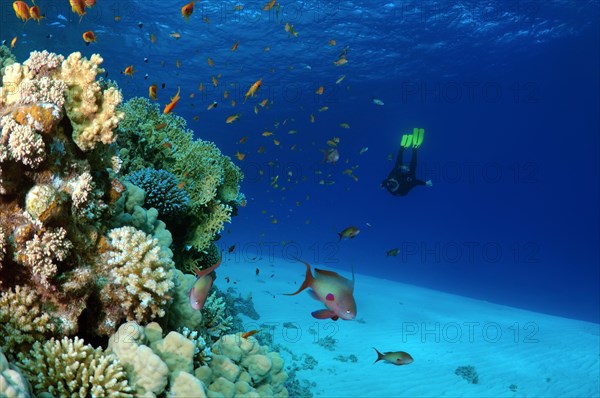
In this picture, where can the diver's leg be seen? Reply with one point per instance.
(413, 162)
(398, 165)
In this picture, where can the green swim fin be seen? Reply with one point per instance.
(417, 137)
(406, 141)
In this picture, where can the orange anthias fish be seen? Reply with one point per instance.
(13, 42)
(89, 37)
(35, 13)
(129, 71)
(200, 288)
(235, 46)
(240, 156)
(320, 90)
(250, 333)
(90, 3)
(252, 90)
(269, 5)
(21, 10)
(152, 90)
(169, 107)
(78, 7)
(232, 118)
(187, 10)
(331, 289)
(394, 357)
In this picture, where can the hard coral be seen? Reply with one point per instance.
(68, 368)
(139, 278)
(23, 321)
(12, 382)
(162, 191)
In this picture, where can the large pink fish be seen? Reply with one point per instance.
(333, 290)
(200, 288)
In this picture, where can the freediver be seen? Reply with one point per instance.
(403, 178)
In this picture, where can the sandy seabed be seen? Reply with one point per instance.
(515, 353)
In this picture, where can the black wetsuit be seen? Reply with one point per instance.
(400, 182)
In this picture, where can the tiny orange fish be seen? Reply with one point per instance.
(78, 7)
(240, 156)
(340, 62)
(233, 103)
(21, 10)
(269, 5)
(175, 35)
(152, 90)
(276, 141)
(264, 102)
(89, 37)
(225, 94)
(117, 18)
(232, 118)
(90, 3)
(255, 110)
(211, 105)
(235, 46)
(243, 140)
(250, 333)
(320, 90)
(332, 42)
(167, 145)
(13, 42)
(181, 184)
(215, 81)
(160, 126)
(35, 13)
(261, 149)
(187, 10)
(252, 90)
(152, 38)
(201, 87)
(129, 71)
(210, 62)
(169, 107)
(312, 118)
(178, 63)
(267, 133)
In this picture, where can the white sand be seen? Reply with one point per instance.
(544, 356)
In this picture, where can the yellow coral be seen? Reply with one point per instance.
(91, 110)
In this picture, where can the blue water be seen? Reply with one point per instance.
(507, 92)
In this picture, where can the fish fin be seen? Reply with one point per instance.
(330, 297)
(379, 355)
(201, 273)
(308, 279)
(335, 318)
(323, 314)
(326, 273)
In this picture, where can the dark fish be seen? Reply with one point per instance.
(257, 271)
(231, 249)
(146, 60)
(393, 252)
(227, 279)
(163, 85)
(140, 25)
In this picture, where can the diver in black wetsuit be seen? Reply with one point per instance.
(402, 178)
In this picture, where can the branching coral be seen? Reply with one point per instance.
(162, 191)
(68, 368)
(139, 277)
(20, 143)
(22, 320)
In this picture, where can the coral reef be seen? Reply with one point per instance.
(68, 368)
(12, 382)
(23, 320)
(162, 191)
(139, 278)
(150, 139)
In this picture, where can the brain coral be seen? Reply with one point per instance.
(162, 191)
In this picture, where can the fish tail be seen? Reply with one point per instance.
(379, 355)
(308, 280)
(340, 235)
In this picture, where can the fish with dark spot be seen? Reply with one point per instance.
(397, 358)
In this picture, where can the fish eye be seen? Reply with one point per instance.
(347, 311)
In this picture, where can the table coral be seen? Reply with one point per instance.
(68, 368)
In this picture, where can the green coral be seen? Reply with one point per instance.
(6, 58)
(23, 320)
(68, 368)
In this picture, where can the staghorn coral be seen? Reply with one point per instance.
(23, 320)
(202, 352)
(162, 191)
(12, 382)
(68, 368)
(139, 277)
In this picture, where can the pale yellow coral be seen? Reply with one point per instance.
(140, 276)
(22, 320)
(13, 76)
(20, 143)
(42, 63)
(12, 382)
(92, 111)
(68, 368)
(44, 250)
